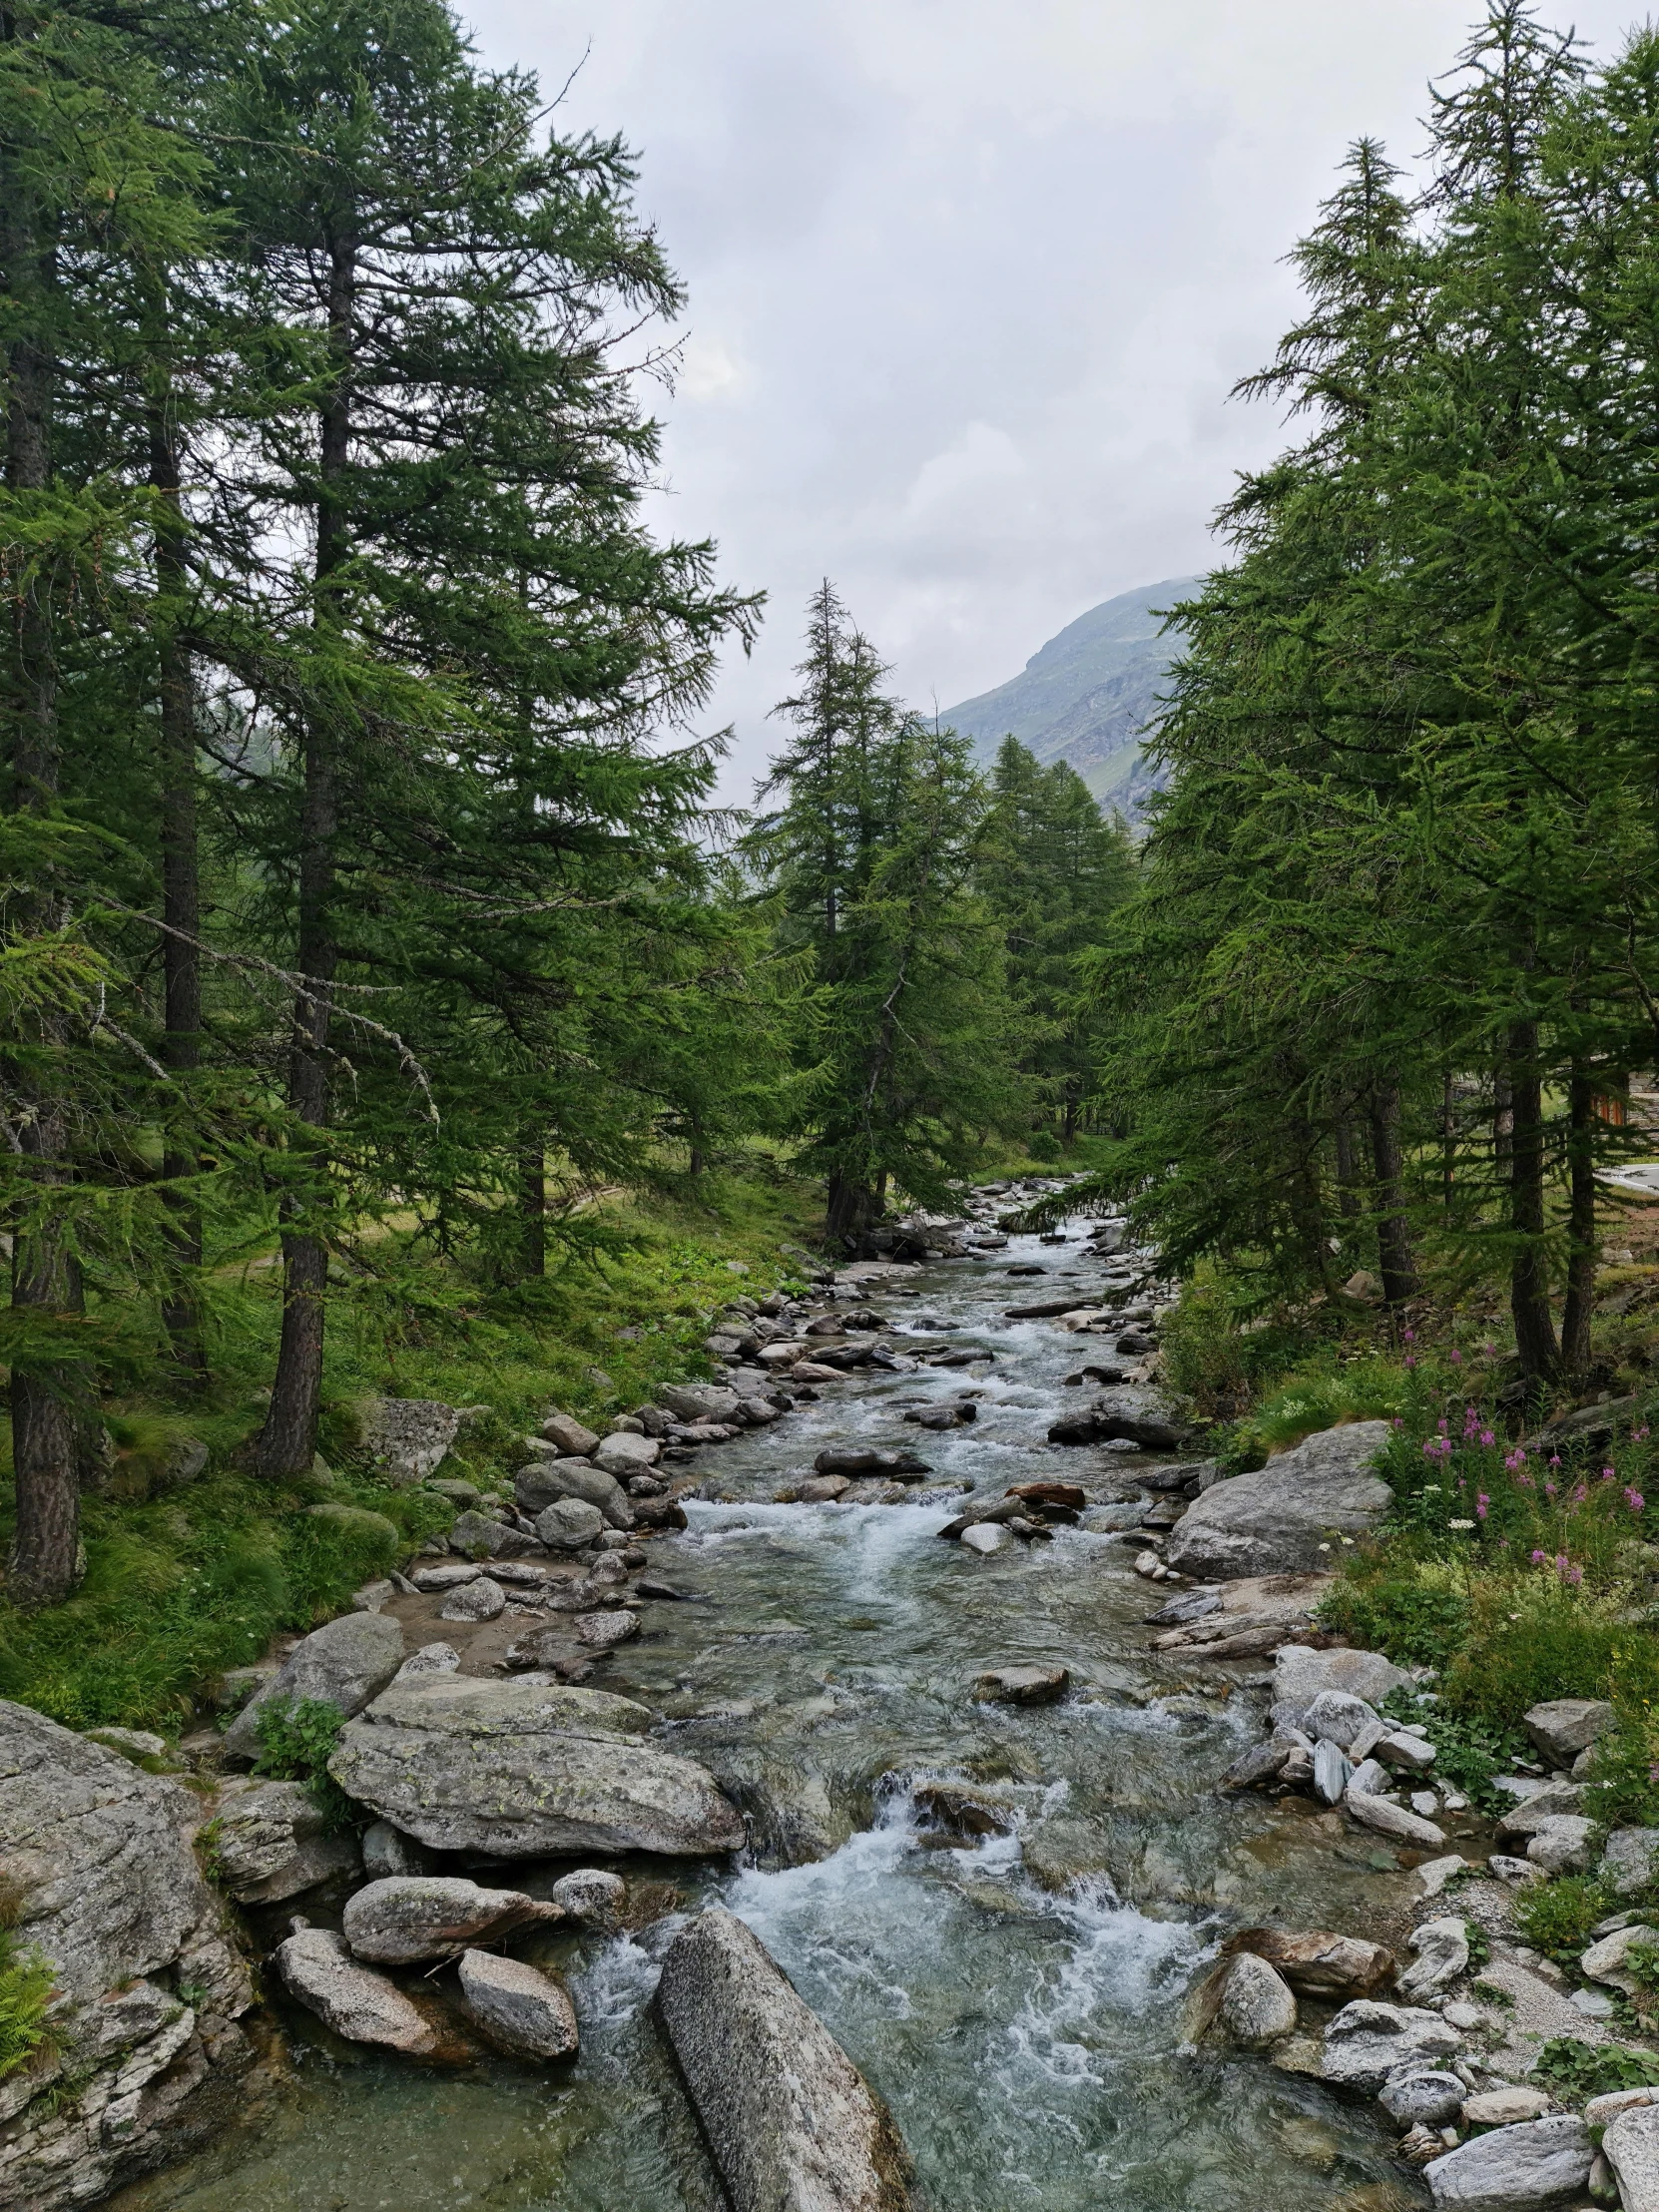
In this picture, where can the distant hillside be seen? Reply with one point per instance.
(1087, 694)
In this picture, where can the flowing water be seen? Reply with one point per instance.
(1018, 2000)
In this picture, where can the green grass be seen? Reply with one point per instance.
(182, 1583)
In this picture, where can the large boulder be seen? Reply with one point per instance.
(623, 1453)
(1131, 1415)
(407, 1438)
(361, 2006)
(695, 1401)
(1516, 2169)
(1565, 1725)
(1302, 1674)
(1631, 2144)
(792, 2122)
(569, 1524)
(523, 1771)
(1257, 2007)
(1318, 1962)
(1289, 1514)
(406, 1917)
(537, 1487)
(520, 2009)
(481, 1535)
(271, 1842)
(1631, 1860)
(98, 1855)
(344, 1663)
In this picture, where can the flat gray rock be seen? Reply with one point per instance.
(542, 1485)
(1516, 2169)
(693, 1401)
(1280, 1517)
(1299, 1674)
(404, 1918)
(524, 1771)
(271, 1842)
(343, 1663)
(1565, 1725)
(1368, 2041)
(792, 2124)
(521, 2011)
(1631, 1860)
(113, 1898)
(356, 2002)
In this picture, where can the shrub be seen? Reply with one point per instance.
(296, 1740)
(1559, 1647)
(1556, 1916)
(1417, 1617)
(1577, 2071)
(1469, 1750)
(1623, 1788)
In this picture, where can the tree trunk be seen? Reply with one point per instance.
(44, 1563)
(288, 1439)
(1448, 1145)
(1528, 1268)
(532, 1183)
(853, 1208)
(1347, 1171)
(180, 891)
(1396, 1259)
(1581, 1222)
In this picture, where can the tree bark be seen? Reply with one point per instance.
(1347, 1171)
(287, 1441)
(1396, 1260)
(532, 1183)
(45, 1278)
(1581, 1222)
(853, 1208)
(181, 889)
(1528, 1268)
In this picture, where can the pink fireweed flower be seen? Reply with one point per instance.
(1634, 1500)
(1556, 1459)
(1411, 1335)
(1482, 1502)
(1549, 1490)
(1397, 1422)
(1456, 1356)
(1580, 1494)
(1516, 1461)
(1441, 1424)
(1566, 1570)
(1540, 1559)
(1607, 1474)
(1410, 1358)
(1640, 1435)
(1488, 1438)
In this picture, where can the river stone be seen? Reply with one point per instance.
(1256, 2007)
(97, 1853)
(985, 1536)
(568, 1436)
(1631, 1860)
(272, 1843)
(407, 1438)
(1505, 2107)
(1442, 1948)
(521, 2011)
(1300, 1673)
(624, 1454)
(601, 1631)
(496, 1540)
(1605, 1961)
(693, 1401)
(387, 1851)
(343, 1663)
(1565, 1725)
(792, 2124)
(480, 1600)
(1539, 1806)
(1516, 2169)
(1631, 2148)
(1132, 1416)
(537, 1487)
(528, 1772)
(1023, 1685)
(1331, 1770)
(1368, 2041)
(1319, 1964)
(569, 1524)
(1279, 1517)
(429, 1659)
(406, 1917)
(1562, 1844)
(593, 1895)
(362, 2006)
(1338, 1717)
(1418, 2097)
(1389, 1818)
(449, 1576)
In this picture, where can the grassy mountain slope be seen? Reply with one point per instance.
(1085, 696)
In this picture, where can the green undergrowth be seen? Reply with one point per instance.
(1576, 2071)
(27, 1988)
(296, 1739)
(187, 1578)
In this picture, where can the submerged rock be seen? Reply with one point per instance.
(1023, 1685)
(108, 1894)
(528, 1772)
(1288, 1513)
(344, 1663)
(792, 2124)
(361, 2006)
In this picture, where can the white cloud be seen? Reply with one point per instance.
(970, 282)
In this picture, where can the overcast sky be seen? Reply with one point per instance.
(969, 281)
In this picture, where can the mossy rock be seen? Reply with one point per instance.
(356, 1521)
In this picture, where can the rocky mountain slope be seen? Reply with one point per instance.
(1087, 694)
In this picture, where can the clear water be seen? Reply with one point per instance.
(1018, 2001)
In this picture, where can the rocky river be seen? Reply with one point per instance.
(983, 1832)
